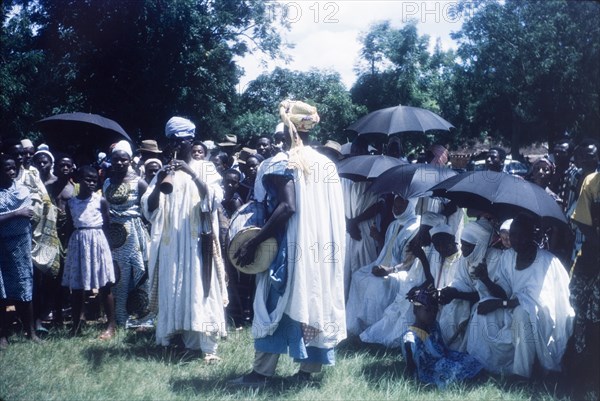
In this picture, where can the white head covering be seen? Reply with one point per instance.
(26, 143)
(506, 225)
(441, 228)
(43, 146)
(152, 160)
(179, 127)
(432, 219)
(409, 212)
(45, 152)
(480, 236)
(123, 146)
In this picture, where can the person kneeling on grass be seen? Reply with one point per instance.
(427, 357)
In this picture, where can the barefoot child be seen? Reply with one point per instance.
(89, 263)
(424, 351)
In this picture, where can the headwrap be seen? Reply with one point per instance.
(432, 219)
(298, 116)
(179, 127)
(153, 160)
(441, 228)
(408, 213)
(545, 160)
(26, 143)
(43, 146)
(423, 297)
(506, 225)
(440, 155)
(480, 236)
(123, 146)
(45, 152)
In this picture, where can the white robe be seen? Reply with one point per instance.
(314, 292)
(455, 317)
(175, 252)
(357, 199)
(399, 315)
(370, 295)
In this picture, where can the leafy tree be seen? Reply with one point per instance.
(529, 70)
(142, 61)
(324, 89)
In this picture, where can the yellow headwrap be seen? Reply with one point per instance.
(298, 116)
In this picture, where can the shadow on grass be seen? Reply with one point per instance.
(140, 345)
(353, 345)
(278, 387)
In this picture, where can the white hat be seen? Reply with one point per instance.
(440, 229)
(26, 143)
(123, 146)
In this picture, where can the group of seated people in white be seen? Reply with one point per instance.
(499, 298)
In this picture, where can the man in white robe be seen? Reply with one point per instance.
(299, 302)
(361, 207)
(537, 287)
(372, 292)
(188, 285)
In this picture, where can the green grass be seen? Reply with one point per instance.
(132, 367)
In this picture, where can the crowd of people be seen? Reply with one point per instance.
(148, 233)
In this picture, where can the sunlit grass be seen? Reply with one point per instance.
(132, 367)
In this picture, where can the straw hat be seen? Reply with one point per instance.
(245, 153)
(230, 140)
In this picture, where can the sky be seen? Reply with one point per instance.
(326, 33)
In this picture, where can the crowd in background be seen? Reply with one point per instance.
(457, 291)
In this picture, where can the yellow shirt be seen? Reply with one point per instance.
(590, 194)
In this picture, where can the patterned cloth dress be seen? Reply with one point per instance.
(436, 364)
(88, 264)
(16, 268)
(128, 240)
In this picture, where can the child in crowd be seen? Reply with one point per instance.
(423, 348)
(89, 263)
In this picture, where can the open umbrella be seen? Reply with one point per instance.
(82, 122)
(81, 135)
(394, 120)
(411, 180)
(366, 167)
(500, 194)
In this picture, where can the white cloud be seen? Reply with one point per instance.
(326, 33)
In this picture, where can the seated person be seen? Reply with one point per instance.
(370, 293)
(433, 270)
(427, 357)
(537, 288)
(464, 290)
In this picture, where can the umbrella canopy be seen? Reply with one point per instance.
(411, 180)
(366, 167)
(394, 120)
(81, 134)
(500, 194)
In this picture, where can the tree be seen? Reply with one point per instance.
(324, 89)
(142, 61)
(529, 69)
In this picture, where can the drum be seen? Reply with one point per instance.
(245, 224)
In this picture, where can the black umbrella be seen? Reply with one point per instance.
(500, 194)
(398, 119)
(366, 167)
(411, 180)
(81, 134)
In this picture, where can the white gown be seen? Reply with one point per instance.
(175, 252)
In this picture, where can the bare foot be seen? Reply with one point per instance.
(3, 343)
(107, 334)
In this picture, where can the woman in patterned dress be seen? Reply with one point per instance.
(16, 268)
(128, 236)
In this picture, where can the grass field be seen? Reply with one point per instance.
(132, 367)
